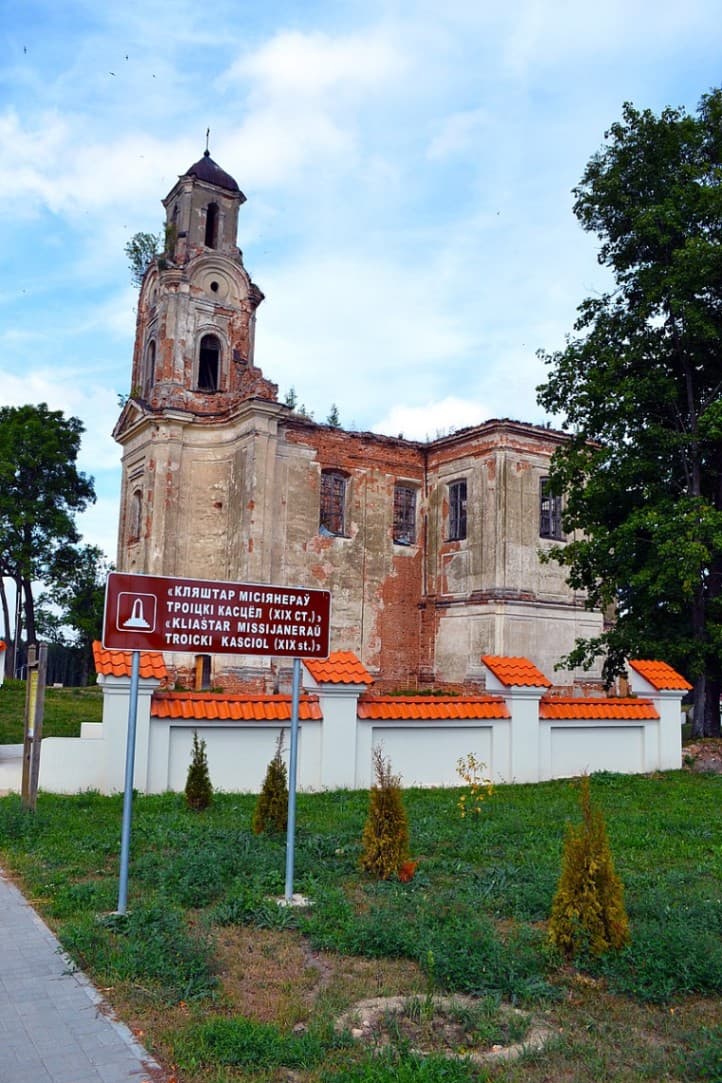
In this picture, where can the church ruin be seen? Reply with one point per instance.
(431, 550)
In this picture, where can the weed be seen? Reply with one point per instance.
(704, 1061)
(245, 1043)
(395, 1066)
(471, 771)
(154, 946)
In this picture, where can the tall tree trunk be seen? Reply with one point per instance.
(27, 588)
(9, 631)
(712, 708)
(698, 706)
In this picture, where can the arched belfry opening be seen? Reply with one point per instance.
(209, 363)
(211, 238)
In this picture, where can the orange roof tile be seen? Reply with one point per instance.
(516, 672)
(596, 707)
(660, 675)
(432, 707)
(211, 706)
(341, 667)
(118, 663)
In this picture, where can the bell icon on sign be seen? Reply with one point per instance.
(136, 618)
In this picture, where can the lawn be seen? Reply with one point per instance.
(65, 710)
(225, 985)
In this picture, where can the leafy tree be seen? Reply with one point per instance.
(41, 490)
(640, 387)
(141, 250)
(291, 398)
(334, 418)
(78, 592)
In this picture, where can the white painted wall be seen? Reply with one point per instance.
(337, 752)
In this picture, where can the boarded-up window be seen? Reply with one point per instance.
(135, 515)
(332, 519)
(404, 515)
(550, 512)
(209, 363)
(150, 366)
(457, 510)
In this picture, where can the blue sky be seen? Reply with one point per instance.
(408, 168)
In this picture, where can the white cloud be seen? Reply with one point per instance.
(316, 66)
(431, 420)
(457, 132)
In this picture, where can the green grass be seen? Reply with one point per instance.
(471, 921)
(65, 710)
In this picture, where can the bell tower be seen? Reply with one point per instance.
(184, 427)
(196, 310)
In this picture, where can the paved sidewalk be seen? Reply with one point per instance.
(54, 1025)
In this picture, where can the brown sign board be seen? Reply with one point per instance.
(162, 613)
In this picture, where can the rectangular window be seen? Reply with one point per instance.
(457, 510)
(332, 519)
(550, 512)
(404, 515)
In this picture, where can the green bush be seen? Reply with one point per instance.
(199, 791)
(588, 917)
(385, 839)
(271, 811)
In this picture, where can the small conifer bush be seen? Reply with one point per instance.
(588, 914)
(271, 811)
(199, 791)
(385, 839)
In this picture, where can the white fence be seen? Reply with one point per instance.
(525, 736)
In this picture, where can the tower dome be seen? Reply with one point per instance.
(205, 169)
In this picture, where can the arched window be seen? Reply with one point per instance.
(134, 520)
(150, 366)
(209, 363)
(211, 240)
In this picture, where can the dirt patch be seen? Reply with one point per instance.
(457, 1026)
(276, 977)
(704, 756)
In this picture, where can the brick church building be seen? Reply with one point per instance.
(431, 550)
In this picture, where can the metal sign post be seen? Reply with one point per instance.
(164, 613)
(292, 771)
(128, 791)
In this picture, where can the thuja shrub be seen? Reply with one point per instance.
(588, 916)
(385, 839)
(271, 811)
(199, 791)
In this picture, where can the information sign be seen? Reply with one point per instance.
(162, 613)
